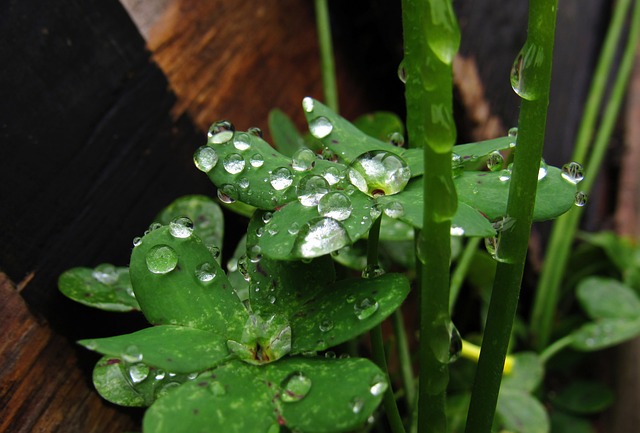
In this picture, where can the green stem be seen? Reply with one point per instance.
(404, 357)
(461, 270)
(565, 227)
(327, 63)
(533, 84)
(555, 347)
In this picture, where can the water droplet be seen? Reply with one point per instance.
(215, 251)
(365, 308)
(356, 405)
(254, 253)
(273, 229)
(320, 127)
(233, 163)
(332, 175)
(154, 226)
(303, 160)
(396, 139)
(335, 205)
(181, 227)
(161, 259)
(307, 104)
(243, 183)
(572, 172)
(402, 72)
(281, 178)
(294, 228)
(256, 160)
(311, 189)
(205, 272)
(375, 211)
(505, 175)
(326, 325)
(205, 158)
(442, 31)
(159, 374)
(379, 172)
(138, 372)
(526, 67)
(131, 354)
(137, 241)
(456, 231)
(221, 132)
(542, 171)
(167, 388)
(320, 236)
(243, 268)
(372, 271)
(105, 273)
(495, 161)
(394, 209)
(492, 244)
(378, 385)
(272, 300)
(242, 141)
(513, 132)
(266, 217)
(227, 193)
(350, 299)
(295, 387)
(455, 343)
(581, 198)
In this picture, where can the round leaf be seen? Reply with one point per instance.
(606, 298)
(584, 397)
(604, 333)
(527, 372)
(521, 412)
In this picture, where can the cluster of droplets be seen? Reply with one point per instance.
(573, 173)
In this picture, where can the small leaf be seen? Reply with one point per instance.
(380, 125)
(604, 333)
(472, 152)
(620, 250)
(177, 281)
(286, 137)
(173, 348)
(522, 413)
(106, 287)
(208, 221)
(606, 298)
(564, 423)
(527, 372)
(584, 397)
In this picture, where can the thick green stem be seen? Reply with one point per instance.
(431, 39)
(327, 63)
(531, 79)
(565, 227)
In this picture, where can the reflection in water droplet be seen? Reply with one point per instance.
(311, 189)
(215, 251)
(161, 259)
(233, 163)
(266, 217)
(205, 272)
(227, 193)
(295, 387)
(495, 161)
(505, 175)
(527, 65)
(159, 374)
(335, 205)
(365, 308)
(243, 183)
(372, 271)
(332, 175)
(205, 158)
(394, 209)
(379, 171)
(320, 236)
(443, 32)
(243, 268)
(320, 127)
(221, 132)
(307, 104)
(326, 325)
(378, 385)
(181, 227)
(396, 139)
(581, 198)
(255, 131)
(254, 253)
(572, 172)
(303, 160)
(242, 141)
(256, 160)
(281, 178)
(138, 372)
(330, 354)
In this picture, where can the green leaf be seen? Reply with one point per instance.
(527, 372)
(134, 384)
(606, 298)
(177, 281)
(620, 250)
(472, 152)
(564, 423)
(522, 413)
(584, 397)
(286, 138)
(304, 394)
(380, 125)
(106, 287)
(604, 333)
(352, 256)
(237, 280)
(208, 221)
(173, 348)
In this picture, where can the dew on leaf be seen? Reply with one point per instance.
(330, 354)
(379, 172)
(455, 343)
(394, 209)
(320, 127)
(105, 273)
(326, 325)
(396, 139)
(131, 354)
(227, 193)
(256, 160)
(332, 175)
(233, 163)
(242, 141)
(581, 198)
(138, 372)
(254, 253)
(205, 158)
(542, 171)
(273, 229)
(243, 183)
(320, 236)
(513, 132)
(307, 104)
(215, 251)
(402, 72)
(505, 175)
(365, 308)
(311, 189)
(266, 217)
(303, 160)
(495, 161)
(243, 268)
(295, 387)
(221, 132)
(356, 405)
(351, 299)
(205, 272)
(181, 227)
(335, 205)
(255, 131)
(281, 178)
(167, 388)
(456, 231)
(378, 385)
(159, 374)
(294, 228)
(572, 172)
(161, 259)
(372, 271)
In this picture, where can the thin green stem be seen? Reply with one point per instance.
(461, 270)
(404, 358)
(327, 63)
(531, 81)
(565, 227)
(555, 347)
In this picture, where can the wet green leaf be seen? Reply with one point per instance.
(472, 152)
(527, 372)
(173, 348)
(240, 285)
(286, 138)
(106, 287)
(178, 282)
(522, 413)
(380, 125)
(584, 397)
(606, 298)
(604, 333)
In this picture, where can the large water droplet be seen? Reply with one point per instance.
(205, 158)
(443, 32)
(307, 104)
(137, 241)
(365, 308)
(311, 189)
(295, 387)
(221, 132)
(495, 161)
(242, 141)
(379, 173)
(138, 372)
(581, 198)
(320, 236)
(233, 163)
(205, 272)
(505, 175)
(181, 227)
(320, 127)
(303, 160)
(256, 160)
(161, 259)
(526, 67)
(372, 271)
(243, 183)
(378, 385)
(572, 172)
(281, 178)
(335, 205)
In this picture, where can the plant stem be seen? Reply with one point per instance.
(327, 63)
(534, 77)
(565, 227)
(461, 270)
(431, 39)
(555, 347)
(404, 357)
